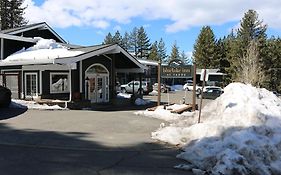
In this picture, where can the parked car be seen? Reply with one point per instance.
(5, 97)
(211, 93)
(206, 88)
(164, 88)
(134, 86)
(189, 86)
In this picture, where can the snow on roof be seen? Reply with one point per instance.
(45, 51)
(240, 133)
(148, 62)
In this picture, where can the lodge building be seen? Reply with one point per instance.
(69, 72)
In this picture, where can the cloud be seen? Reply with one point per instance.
(182, 14)
(117, 27)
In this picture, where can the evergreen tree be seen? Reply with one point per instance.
(184, 58)
(153, 55)
(162, 51)
(108, 39)
(204, 49)
(126, 41)
(143, 44)
(11, 14)
(221, 52)
(273, 64)
(251, 28)
(117, 38)
(175, 52)
(133, 41)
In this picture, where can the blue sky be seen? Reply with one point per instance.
(86, 22)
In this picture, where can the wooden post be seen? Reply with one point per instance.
(194, 88)
(159, 84)
(201, 99)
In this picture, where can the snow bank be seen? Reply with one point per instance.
(240, 133)
(44, 51)
(22, 104)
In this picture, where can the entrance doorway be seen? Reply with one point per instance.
(97, 77)
(31, 89)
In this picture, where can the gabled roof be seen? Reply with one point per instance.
(98, 50)
(25, 28)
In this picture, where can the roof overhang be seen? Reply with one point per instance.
(18, 38)
(111, 49)
(38, 26)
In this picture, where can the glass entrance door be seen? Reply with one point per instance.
(98, 89)
(98, 83)
(31, 85)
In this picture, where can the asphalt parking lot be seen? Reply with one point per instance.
(70, 142)
(82, 142)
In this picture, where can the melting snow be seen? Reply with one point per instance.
(22, 104)
(240, 133)
(44, 51)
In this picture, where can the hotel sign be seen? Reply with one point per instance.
(180, 71)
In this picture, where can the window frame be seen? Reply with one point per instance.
(68, 81)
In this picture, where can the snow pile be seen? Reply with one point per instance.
(141, 102)
(22, 104)
(123, 95)
(44, 51)
(240, 133)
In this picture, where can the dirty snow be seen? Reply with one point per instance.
(239, 133)
(22, 104)
(166, 114)
(44, 51)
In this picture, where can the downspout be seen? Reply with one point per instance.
(70, 88)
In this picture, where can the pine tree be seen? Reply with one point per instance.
(117, 38)
(204, 49)
(108, 39)
(11, 14)
(251, 28)
(133, 41)
(162, 51)
(221, 52)
(143, 44)
(153, 55)
(273, 64)
(175, 52)
(184, 58)
(126, 41)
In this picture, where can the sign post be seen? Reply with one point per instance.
(159, 84)
(204, 78)
(194, 88)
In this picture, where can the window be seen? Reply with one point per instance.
(59, 82)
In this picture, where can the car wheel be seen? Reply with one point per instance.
(163, 90)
